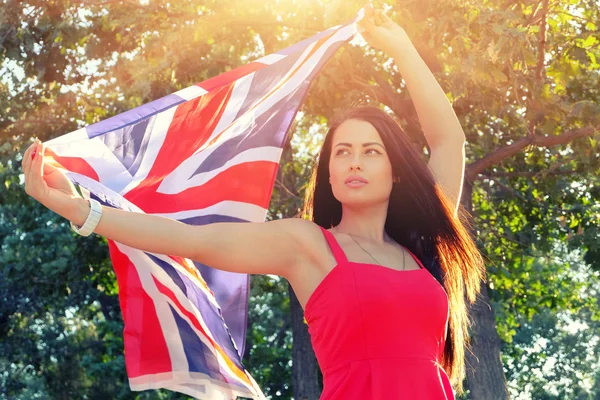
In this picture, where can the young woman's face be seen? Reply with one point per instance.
(358, 151)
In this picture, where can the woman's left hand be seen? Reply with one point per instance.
(380, 31)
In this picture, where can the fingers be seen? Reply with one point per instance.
(32, 170)
(383, 17)
(373, 18)
(40, 161)
(366, 23)
(29, 179)
(27, 158)
(49, 168)
(368, 10)
(378, 19)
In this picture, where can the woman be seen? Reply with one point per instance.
(381, 263)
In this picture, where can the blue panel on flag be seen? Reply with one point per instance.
(172, 272)
(133, 116)
(129, 143)
(199, 357)
(234, 301)
(269, 129)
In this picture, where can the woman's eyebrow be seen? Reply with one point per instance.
(363, 145)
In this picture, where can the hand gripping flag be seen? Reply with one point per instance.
(205, 154)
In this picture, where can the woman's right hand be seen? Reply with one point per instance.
(46, 183)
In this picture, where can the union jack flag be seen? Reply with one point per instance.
(205, 154)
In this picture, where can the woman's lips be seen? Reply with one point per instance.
(355, 181)
(355, 184)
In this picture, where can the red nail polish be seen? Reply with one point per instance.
(33, 154)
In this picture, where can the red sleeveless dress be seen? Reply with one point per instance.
(379, 333)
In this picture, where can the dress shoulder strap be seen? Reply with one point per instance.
(338, 253)
(414, 257)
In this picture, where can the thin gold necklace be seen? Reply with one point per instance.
(403, 257)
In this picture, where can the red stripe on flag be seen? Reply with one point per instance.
(146, 351)
(73, 164)
(191, 126)
(227, 77)
(249, 182)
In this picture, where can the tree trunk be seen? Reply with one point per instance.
(305, 370)
(485, 376)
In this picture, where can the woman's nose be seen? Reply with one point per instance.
(355, 165)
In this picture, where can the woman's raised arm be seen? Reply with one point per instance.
(441, 127)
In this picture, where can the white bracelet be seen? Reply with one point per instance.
(92, 220)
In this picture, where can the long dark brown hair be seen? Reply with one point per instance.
(419, 217)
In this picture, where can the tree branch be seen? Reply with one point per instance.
(108, 2)
(552, 170)
(477, 167)
(574, 16)
(507, 188)
(526, 174)
(288, 191)
(8, 32)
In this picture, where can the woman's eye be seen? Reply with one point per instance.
(368, 151)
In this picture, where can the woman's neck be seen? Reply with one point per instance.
(365, 222)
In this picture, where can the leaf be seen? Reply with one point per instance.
(590, 41)
(592, 57)
(498, 75)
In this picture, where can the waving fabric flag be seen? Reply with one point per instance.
(208, 153)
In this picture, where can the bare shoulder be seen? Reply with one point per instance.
(314, 260)
(307, 234)
(310, 241)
